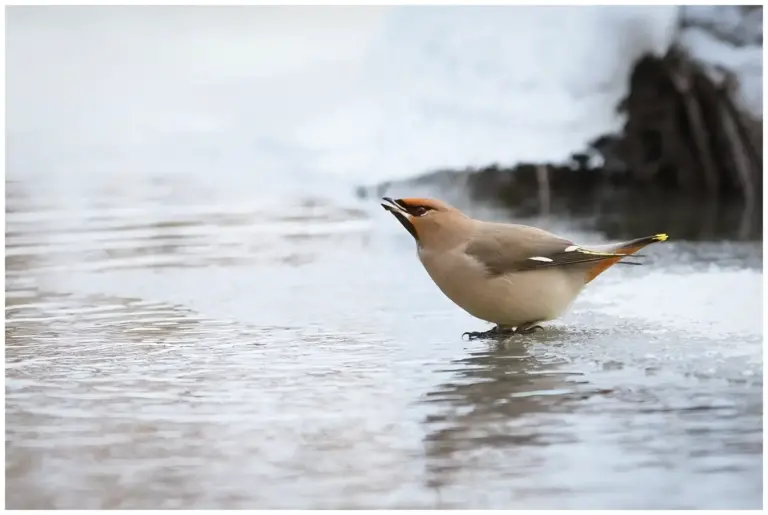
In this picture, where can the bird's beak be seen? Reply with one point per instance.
(401, 214)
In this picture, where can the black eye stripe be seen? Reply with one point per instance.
(414, 209)
(419, 210)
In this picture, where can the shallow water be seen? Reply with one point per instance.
(171, 344)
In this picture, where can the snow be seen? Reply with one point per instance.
(732, 22)
(343, 94)
(723, 37)
(459, 86)
(130, 92)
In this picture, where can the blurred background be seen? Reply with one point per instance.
(207, 308)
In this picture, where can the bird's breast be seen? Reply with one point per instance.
(510, 299)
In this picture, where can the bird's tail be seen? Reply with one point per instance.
(632, 246)
(627, 248)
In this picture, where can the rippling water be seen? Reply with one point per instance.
(172, 345)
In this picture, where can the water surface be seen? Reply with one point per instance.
(174, 343)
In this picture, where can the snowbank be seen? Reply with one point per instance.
(452, 87)
(464, 86)
(728, 37)
(348, 94)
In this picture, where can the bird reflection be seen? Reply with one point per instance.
(495, 400)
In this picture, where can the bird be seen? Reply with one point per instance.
(514, 276)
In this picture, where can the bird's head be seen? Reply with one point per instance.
(428, 220)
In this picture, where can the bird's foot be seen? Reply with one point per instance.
(529, 328)
(491, 333)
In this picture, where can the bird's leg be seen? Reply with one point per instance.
(528, 328)
(491, 333)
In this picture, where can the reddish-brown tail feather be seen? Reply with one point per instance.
(626, 249)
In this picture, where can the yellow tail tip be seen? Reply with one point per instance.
(660, 237)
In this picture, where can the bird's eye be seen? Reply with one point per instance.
(420, 210)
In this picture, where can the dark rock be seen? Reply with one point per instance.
(684, 132)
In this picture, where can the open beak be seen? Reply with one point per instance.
(401, 214)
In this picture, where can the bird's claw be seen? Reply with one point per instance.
(499, 331)
(491, 333)
(529, 329)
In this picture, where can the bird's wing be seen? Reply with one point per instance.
(506, 248)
